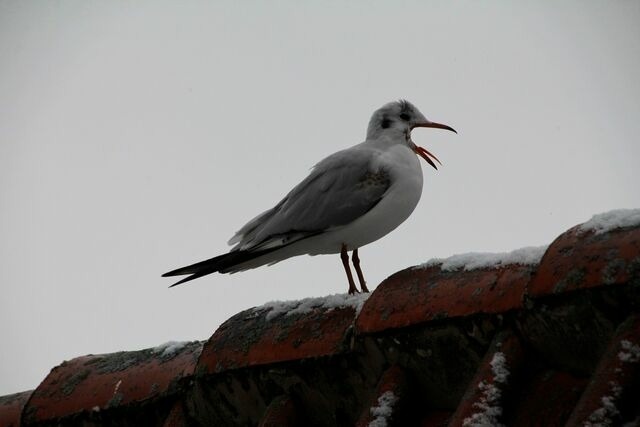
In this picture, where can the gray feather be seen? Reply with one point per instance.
(340, 189)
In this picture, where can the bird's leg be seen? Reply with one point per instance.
(356, 263)
(344, 256)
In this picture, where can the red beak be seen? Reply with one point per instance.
(422, 152)
(427, 156)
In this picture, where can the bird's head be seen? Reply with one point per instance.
(401, 117)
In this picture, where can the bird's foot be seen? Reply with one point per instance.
(352, 289)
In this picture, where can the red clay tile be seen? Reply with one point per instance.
(280, 413)
(87, 388)
(581, 260)
(391, 389)
(97, 383)
(11, 408)
(252, 338)
(482, 402)
(177, 416)
(418, 295)
(436, 419)
(614, 385)
(547, 401)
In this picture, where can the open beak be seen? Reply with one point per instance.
(422, 152)
(427, 156)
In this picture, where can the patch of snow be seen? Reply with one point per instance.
(607, 414)
(529, 255)
(489, 407)
(604, 416)
(306, 305)
(630, 352)
(499, 368)
(170, 348)
(607, 221)
(384, 410)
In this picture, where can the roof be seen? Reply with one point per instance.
(551, 334)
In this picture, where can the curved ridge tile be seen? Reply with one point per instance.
(418, 295)
(11, 408)
(582, 259)
(94, 383)
(280, 332)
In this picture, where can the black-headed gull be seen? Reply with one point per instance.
(350, 199)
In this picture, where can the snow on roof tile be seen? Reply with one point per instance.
(413, 296)
(582, 260)
(482, 403)
(612, 220)
(281, 331)
(529, 255)
(614, 383)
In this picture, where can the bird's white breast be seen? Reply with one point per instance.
(393, 209)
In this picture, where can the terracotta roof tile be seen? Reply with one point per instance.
(97, 383)
(11, 408)
(385, 407)
(613, 390)
(586, 259)
(546, 396)
(250, 337)
(281, 412)
(177, 416)
(558, 343)
(484, 401)
(417, 295)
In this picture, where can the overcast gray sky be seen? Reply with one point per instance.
(136, 137)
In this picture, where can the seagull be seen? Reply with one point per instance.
(350, 199)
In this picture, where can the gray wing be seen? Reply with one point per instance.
(340, 189)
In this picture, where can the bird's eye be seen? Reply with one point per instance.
(405, 117)
(385, 123)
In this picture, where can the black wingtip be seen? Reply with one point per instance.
(221, 263)
(178, 283)
(201, 273)
(178, 272)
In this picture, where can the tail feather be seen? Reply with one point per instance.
(221, 263)
(194, 268)
(201, 273)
